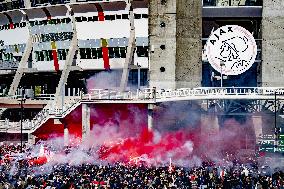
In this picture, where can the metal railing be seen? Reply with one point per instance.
(147, 95)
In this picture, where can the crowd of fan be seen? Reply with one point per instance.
(119, 176)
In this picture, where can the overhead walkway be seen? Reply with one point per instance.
(145, 96)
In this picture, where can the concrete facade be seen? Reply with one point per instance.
(272, 72)
(158, 36)
(189, 45)
(176, 25)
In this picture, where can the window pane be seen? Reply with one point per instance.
(82, 53)
(94, 53)
(122, 52)
(100, 54)
(88, 53)
(125, 16)
(111, 52)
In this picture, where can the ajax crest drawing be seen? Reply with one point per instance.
(232, 45)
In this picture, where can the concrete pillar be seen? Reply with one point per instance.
(27, 4)
(86, 122)
(150, 117)
(66, 135)
(209, 123)
(162, 61)
(31, 138)
(175, 31)
(257, 125)
(272, 69)
(188, 44)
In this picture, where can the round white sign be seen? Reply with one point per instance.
(231, 50)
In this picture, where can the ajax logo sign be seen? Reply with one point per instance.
(234, 47)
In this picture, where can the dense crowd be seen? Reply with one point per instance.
(18, 174)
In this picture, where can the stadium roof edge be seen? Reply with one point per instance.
(136, 4)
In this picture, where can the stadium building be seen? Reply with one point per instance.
(54, 53)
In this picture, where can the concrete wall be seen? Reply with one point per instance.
(162, 36)
(181, 58)
(272, 72)
(189, 46)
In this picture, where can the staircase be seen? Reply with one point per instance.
(49, 112)
(52, 109)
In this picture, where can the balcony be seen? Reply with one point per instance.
(221, 3)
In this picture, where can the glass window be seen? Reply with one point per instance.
(90, 19)
(137, 16)
(100, 53)
(59, 54)
(144, 15)
(1, 55)
(112, 17)
(125, 16)
(116, 52)
(111, 52)
(142, 51)
(36, 55)
(78, 19)
(94, 53)
(41, 56)
(16, 25)
(88, 53)
(82, 53)
(50, 55)
(122, 52)
(64, 54)
(118, 16)
(23, 24)
(107, 17)
(95, 18)
(84, 19)
(68, 20)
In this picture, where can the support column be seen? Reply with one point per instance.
(66, 135)
(150, 117)
(162, 41)
(272, 70)
(86, 122)
(175, 31)
(257, 125)
(27, 4)
(31, 138)
(188, 72)
(130, 52)
(68, 62)
(209, 123)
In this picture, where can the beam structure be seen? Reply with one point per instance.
(66, 135)
(60, 89)
(22, 65)
(86, 122)
(150, 113)
(130, 52)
